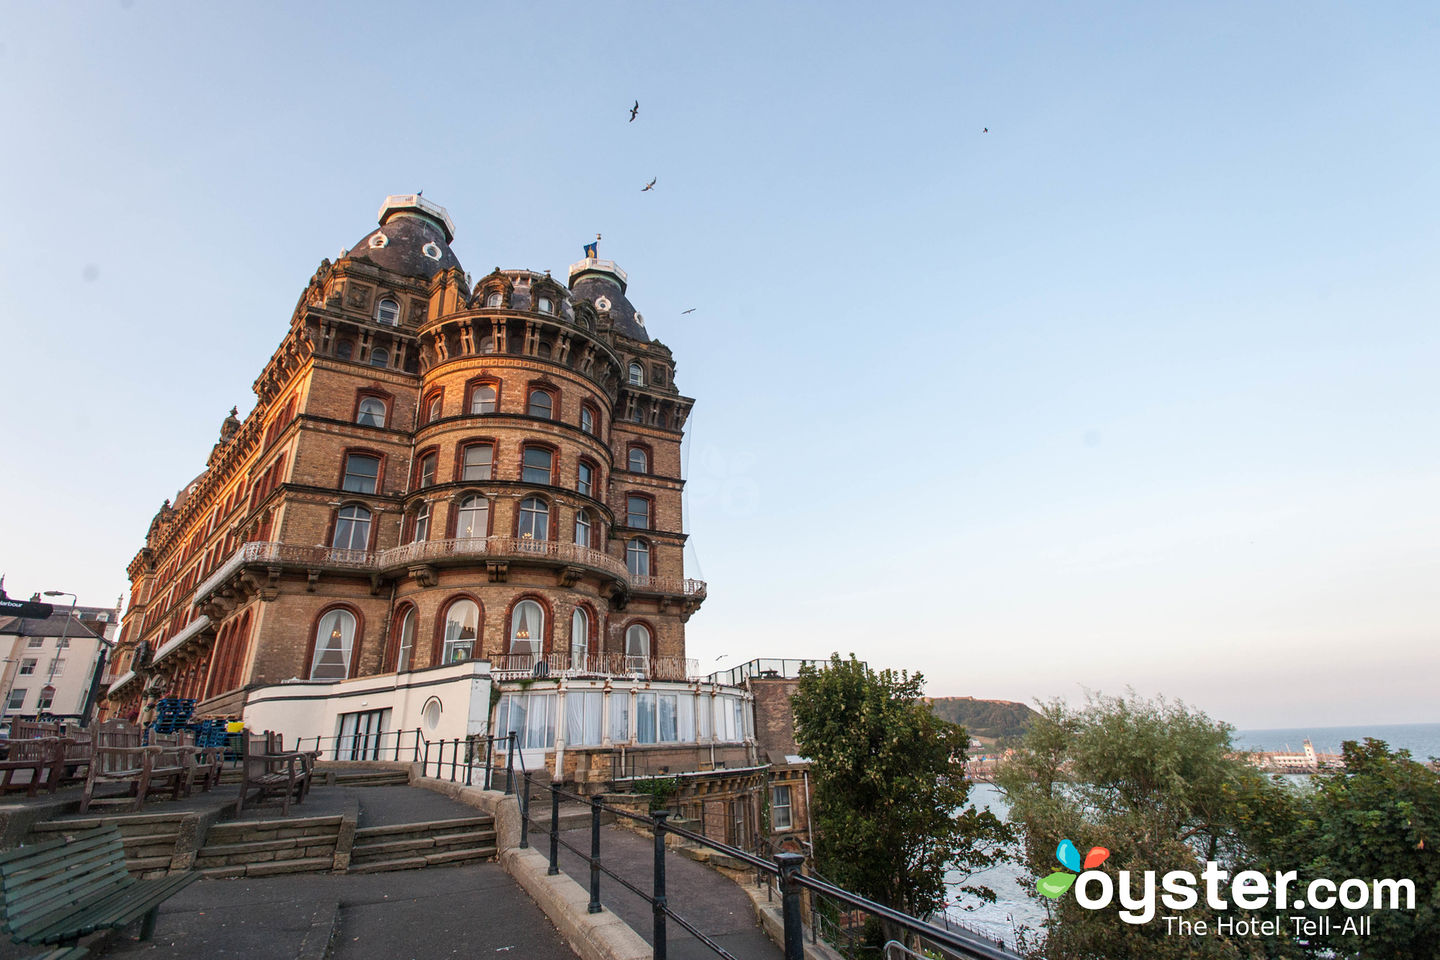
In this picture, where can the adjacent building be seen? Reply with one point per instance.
(52, 666)
(455, 508)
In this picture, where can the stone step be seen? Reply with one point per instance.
(143, 864)
(244, 831)
(430, 860)
(419, 844)
(398, 778)
(431, 826)
(240, 855)
(132, 825)
(271, 868)
(150, 845)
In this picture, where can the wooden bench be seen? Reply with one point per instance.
(58, 891)
(42, 755)
(202, 764)
(119, 757)
(272, 771)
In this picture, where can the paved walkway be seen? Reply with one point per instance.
(471, 911)
(700, 894)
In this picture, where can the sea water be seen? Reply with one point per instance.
(1018, 907)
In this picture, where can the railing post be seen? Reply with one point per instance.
(454, 757)
(525, 814)
(554, 831)
(510, 766)
(417, 747)
(489, 762)
(594, 905)
(469, 758)
(789, 864)
(425, 764)
(658, 938)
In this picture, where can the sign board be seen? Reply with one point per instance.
(28, 609)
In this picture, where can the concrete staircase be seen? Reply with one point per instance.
(151, 839)
(409, 846)
(262, 848)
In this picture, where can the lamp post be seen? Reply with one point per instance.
(64, 636)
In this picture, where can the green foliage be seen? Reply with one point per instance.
(660, 789)
(889, 787)
(999, 720)
(1154, 783)
(1378, 818)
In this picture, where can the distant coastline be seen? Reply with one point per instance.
(1421, 739)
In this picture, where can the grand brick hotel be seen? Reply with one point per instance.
(447, 488)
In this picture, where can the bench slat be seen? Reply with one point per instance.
(116, 910)
(80, 849)
(62, 892)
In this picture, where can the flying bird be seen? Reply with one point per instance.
(649, 186)
(683, 312)
(986, 130)
(634, 110)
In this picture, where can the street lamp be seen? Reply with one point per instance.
(64, 636)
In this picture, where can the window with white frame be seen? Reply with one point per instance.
(334, 640)
(637, 512)
(542, 404)
(462, 627)
(620, 717)
(371, 413)
(527, 629)
(637, 375)
(585, 479)
(657, 718)
(478, 462)
(582, 717)
(587, 420)
(361, 473)
(780, 818)
(579, 637)
(583, 528)
(387, 311)
(637, 461)
(530, 716)
(35, 642)
(637, 558)
(422, 524)
(17, 699)
(407, 641)
(27, 667)
(57, 666)
(534, 519)
(482, 401)
(473, 519)
(536, 465)
(637, 648)
(352, 528)
(427, 470)
(47, 698)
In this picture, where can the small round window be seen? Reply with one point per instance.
(431, 713)
(431, 250)
(378, 241)
(602, 304)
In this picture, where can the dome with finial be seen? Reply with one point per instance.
(413, 238)
(603, 283)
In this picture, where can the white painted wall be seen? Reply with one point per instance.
(303, 711)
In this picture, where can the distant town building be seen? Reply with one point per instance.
(446, 485)
(51, 666)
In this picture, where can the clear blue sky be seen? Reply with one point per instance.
(1138, 388)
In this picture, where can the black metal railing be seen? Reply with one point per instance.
(784, 869)
(459, 759)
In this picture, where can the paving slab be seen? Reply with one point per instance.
(474, 911)
(703, 896)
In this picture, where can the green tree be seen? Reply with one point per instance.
(1160, 787)
(1376, 818)
(890, 790)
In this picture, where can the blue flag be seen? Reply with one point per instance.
(590, 250)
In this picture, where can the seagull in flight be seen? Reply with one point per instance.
(986, 130)
(649, 186)
(634, 110)
(683, 312)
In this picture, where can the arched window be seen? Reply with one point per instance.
(534, 519)
(527, 628)
(637, 558)
(379, 357)
(334, 640)
(426, 474)
(434, 408)
(483, 399)
(536, 465)
(638, 461)
(582, 528)
(477, 461)
(585, 479)
(637, 375)
(541, 404)
(587, 420)
(462, 629)
(637, 647)
(579, 638)
(371, 413)
(344, 349)
(473, 519)
(387, 311)
(422, 524)
(361, 473)
(352, 528)
(493, 298)
(406, 638)
(637, 512)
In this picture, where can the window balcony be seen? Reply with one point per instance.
(522, 666)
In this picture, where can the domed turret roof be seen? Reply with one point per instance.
(413, 238)
(603, 283)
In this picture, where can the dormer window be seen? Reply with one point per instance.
(378, 241)
(493, 298)
(602, 303)
(544, 305)
(379, 357)
(387, 311)
(637, 375)
(431, 250)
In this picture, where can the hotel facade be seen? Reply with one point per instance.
(455, 508)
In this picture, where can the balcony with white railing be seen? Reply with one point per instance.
(523, 666)
(455, 550)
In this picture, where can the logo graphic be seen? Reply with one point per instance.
(1059, 881)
